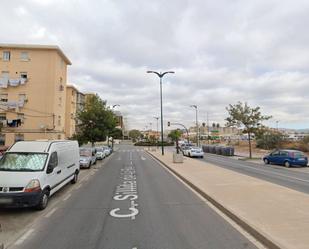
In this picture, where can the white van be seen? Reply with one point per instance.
(32, 171)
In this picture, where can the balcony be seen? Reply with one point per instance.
(5, 82)
(12, 104)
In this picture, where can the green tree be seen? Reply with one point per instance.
(135, 134)
(96, 121)
(269, 140)
(243, 116)
(175, 135)
(116, 133)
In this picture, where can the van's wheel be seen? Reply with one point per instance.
(43, 200)
(74, 180)
(266, 161)
(287, 164)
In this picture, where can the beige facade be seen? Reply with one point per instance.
(32, 92)
(74, 102)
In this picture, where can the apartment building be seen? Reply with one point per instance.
(75, 102)
(32, 92)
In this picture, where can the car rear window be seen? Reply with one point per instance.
(297, 154)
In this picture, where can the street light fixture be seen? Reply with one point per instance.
(161, 75)
(197, 129)
(115, 106)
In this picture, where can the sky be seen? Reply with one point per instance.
(222, 52)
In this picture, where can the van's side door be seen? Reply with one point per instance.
(53, 171)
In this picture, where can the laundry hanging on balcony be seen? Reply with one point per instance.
(13, 123)
(3, 83)
(14, 82)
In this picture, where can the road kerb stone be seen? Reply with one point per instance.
(264, 237)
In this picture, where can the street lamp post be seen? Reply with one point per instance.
(113, 107)
(157, 138)
(160, 75)
(197, 129)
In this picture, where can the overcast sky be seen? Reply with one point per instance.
(222, 52)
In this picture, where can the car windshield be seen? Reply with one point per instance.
(195, 148)
(21, 161)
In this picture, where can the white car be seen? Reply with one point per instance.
(193, 152)
(101, 153)
(32, 171)
(107, 150)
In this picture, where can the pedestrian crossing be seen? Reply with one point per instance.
(132, 150)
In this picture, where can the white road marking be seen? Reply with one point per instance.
(66, 197)
(143, 158)
(50, 213)
(258, 244)
(78, 186)
(24, 237)
(85, 178)
(267, 172)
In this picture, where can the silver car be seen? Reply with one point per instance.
(87, 157)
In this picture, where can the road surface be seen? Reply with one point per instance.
(132, 202)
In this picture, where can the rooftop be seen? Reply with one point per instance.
(37, 47)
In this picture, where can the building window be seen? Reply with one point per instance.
(22, 97)
(5, 75)
(24, 56)
(2, 139)
(3, 97)
(59, 120)
(24, 75)
(19, 137)
(59, 137)
(6, 55)
(21, 116)
(2, 117)
(60, 101)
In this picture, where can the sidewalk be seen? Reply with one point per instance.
(278, 214)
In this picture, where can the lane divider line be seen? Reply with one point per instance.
(24, 237)
(66, 197)
(50, 213)
(243, 224)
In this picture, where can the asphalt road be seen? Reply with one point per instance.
(132, 202)
(296, 178)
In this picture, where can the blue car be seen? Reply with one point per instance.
(287, 158)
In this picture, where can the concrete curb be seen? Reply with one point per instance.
(242, 223)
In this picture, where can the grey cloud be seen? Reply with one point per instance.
(222, 51)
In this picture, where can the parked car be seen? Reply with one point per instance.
(32, 171)
(286, 157)
(100, 153)
(107, 150)
(193, 152)
(185, 145)
(87, 157)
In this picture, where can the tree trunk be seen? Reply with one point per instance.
(177, 147)
(250, 149)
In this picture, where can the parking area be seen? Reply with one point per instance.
(14, 222)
